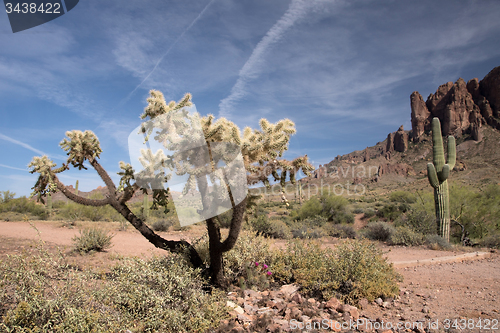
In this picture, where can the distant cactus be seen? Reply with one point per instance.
(49, 204)
(145, 206)
(438, 173)
(76, 187)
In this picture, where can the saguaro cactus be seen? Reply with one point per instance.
(438, 173)
(76, 187)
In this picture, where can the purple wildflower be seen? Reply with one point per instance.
(269, 273)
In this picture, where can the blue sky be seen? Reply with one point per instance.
(343, 71)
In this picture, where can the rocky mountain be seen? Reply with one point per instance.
(469, 111)
(461, 107)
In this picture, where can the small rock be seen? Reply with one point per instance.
(333, 303)
(289, 289)
(379, 301)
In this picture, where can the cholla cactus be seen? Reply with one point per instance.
(261, 151)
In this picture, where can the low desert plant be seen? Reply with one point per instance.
(41, 293)
(92, 239)
(353, 270)
(341, 231)
(380, 231)
(405, 236)
(436, 242)
(492, 241)
(162, 225)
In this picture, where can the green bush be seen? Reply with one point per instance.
(92, 239)
(310, 208)
(23, 206)
(162, 225)
(380, 231)
(405, 236)
(353, 270)
(333, 208)
(418, 220)
(369, 213)
(278, 229)
(306, 232)
(41, 293)
(358, 210)
(392, 211)
(341, 231)
(492, 241)
(436, 242)
(250, 248)
(402, 197)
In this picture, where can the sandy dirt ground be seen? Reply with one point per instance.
(437, 285)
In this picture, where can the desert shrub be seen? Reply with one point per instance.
(92, 239)
(163, 224)
(163, 294)
(436, 242)
(392, 211)
(340, 231)
(41, 293)
(380, 231)
(310, 208)
(250, 248)
(353, 270)
(418, 220)
(358, 210)
(335, 209)
(278, 229)
(6, 196)
(402, 197)
(405, 236)
(23, 206)
(305, 232)
(369, 213)
(492, 241)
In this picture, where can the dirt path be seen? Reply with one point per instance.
(431, 291)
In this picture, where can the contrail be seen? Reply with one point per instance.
(27, 146)
(6, 166)
(168, 51)
(251, 69)
(22, 144)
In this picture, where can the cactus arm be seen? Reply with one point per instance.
(443, 175)
(432, 175)
(437, 145)
(452, 152)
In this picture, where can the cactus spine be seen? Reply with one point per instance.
(76, 187)
(438, 173)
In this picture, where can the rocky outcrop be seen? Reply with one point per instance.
(461, 107)
(401, 169)
(490, 89)
(401, 140)
(419, 116)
